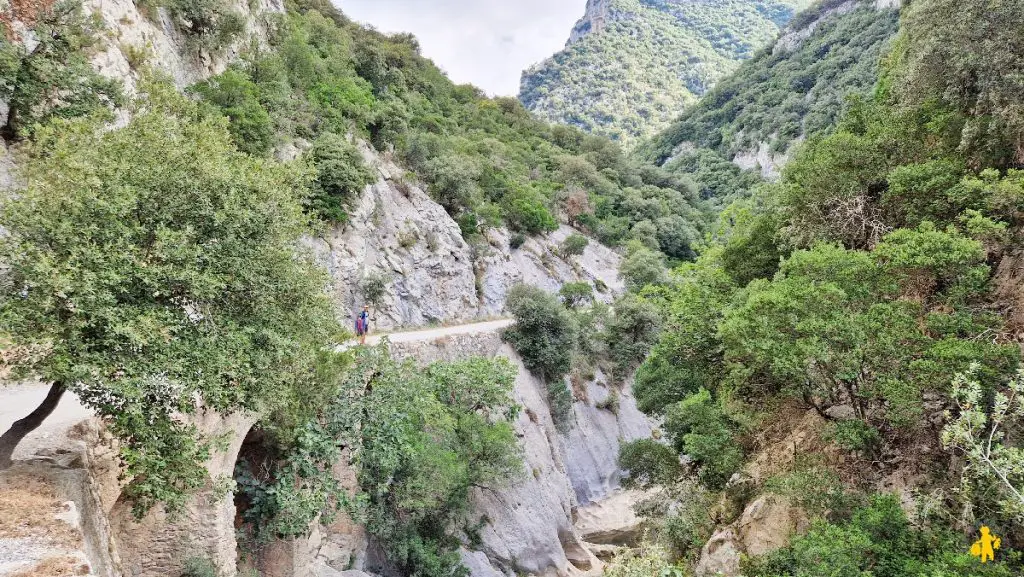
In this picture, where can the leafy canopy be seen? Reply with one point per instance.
(153, 270)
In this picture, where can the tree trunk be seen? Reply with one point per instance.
(9, 441)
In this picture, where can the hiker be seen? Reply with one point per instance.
(363, 324)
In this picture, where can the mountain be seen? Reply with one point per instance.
(797, 88)
(631, 66)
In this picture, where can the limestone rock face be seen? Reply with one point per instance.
(767, 524)
(591, 446)
(536, 523)
(398, 233)
(163, 46)
(611, 521)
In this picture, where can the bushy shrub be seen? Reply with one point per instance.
(237, 98)
(649, 463)
(341, 175)
(630, 332)
(543, 333)
(526, 211)
(876, 540)
(575, 294)
(573, 245)
(199, 567)
(854, 435)
(642, 267)
(57, 79)
(700, 428)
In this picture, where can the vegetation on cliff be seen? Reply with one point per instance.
(152, 271)
(648, 60)
(883, 236)
(798, 87)
(487, 161)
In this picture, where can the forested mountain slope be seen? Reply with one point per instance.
(797, 87)
(841, 365)
(632, 65)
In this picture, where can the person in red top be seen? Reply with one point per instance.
(363, 324)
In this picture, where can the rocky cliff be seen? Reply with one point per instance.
(431, 274)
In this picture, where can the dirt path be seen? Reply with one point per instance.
(16, 401)
(430, 334)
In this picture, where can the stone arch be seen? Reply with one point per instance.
(158, 545)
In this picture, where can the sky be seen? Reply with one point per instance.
(483, 42)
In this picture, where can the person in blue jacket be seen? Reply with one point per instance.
(363, 324)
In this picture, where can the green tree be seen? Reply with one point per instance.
(420, 439)
(700, 428)
(341, 175)
(688, 354)
(238, 98)
(642, 267)
(630, 333)
(573, 245)
(575, 294)
(543, 333)
(417, 468)
(153, 272)
(649, 463)
(967, 57)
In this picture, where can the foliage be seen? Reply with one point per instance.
(420, 440)
(967, 58)
(854, 435)
(647, 561)
(815, 489)
(680, 516)
(341, 175)
(752, 249)
(863, 323)
(700, 428)
(573, 245)
(649, 463)
(642, 267)
(980, 432)
(576, 294)
(487, 161)
(791, 90)
(876, 540)
(543, 333)
(209, 24)
(163, 286)
(645, 61)
(688, 354)
(374, 287)
(55, 80)
(199, 567)
(237, 98)
(630, 333)
(417, 467)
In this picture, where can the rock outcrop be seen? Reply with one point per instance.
(431, 275)
(767, 524)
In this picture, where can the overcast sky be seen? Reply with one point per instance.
(484, 42)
